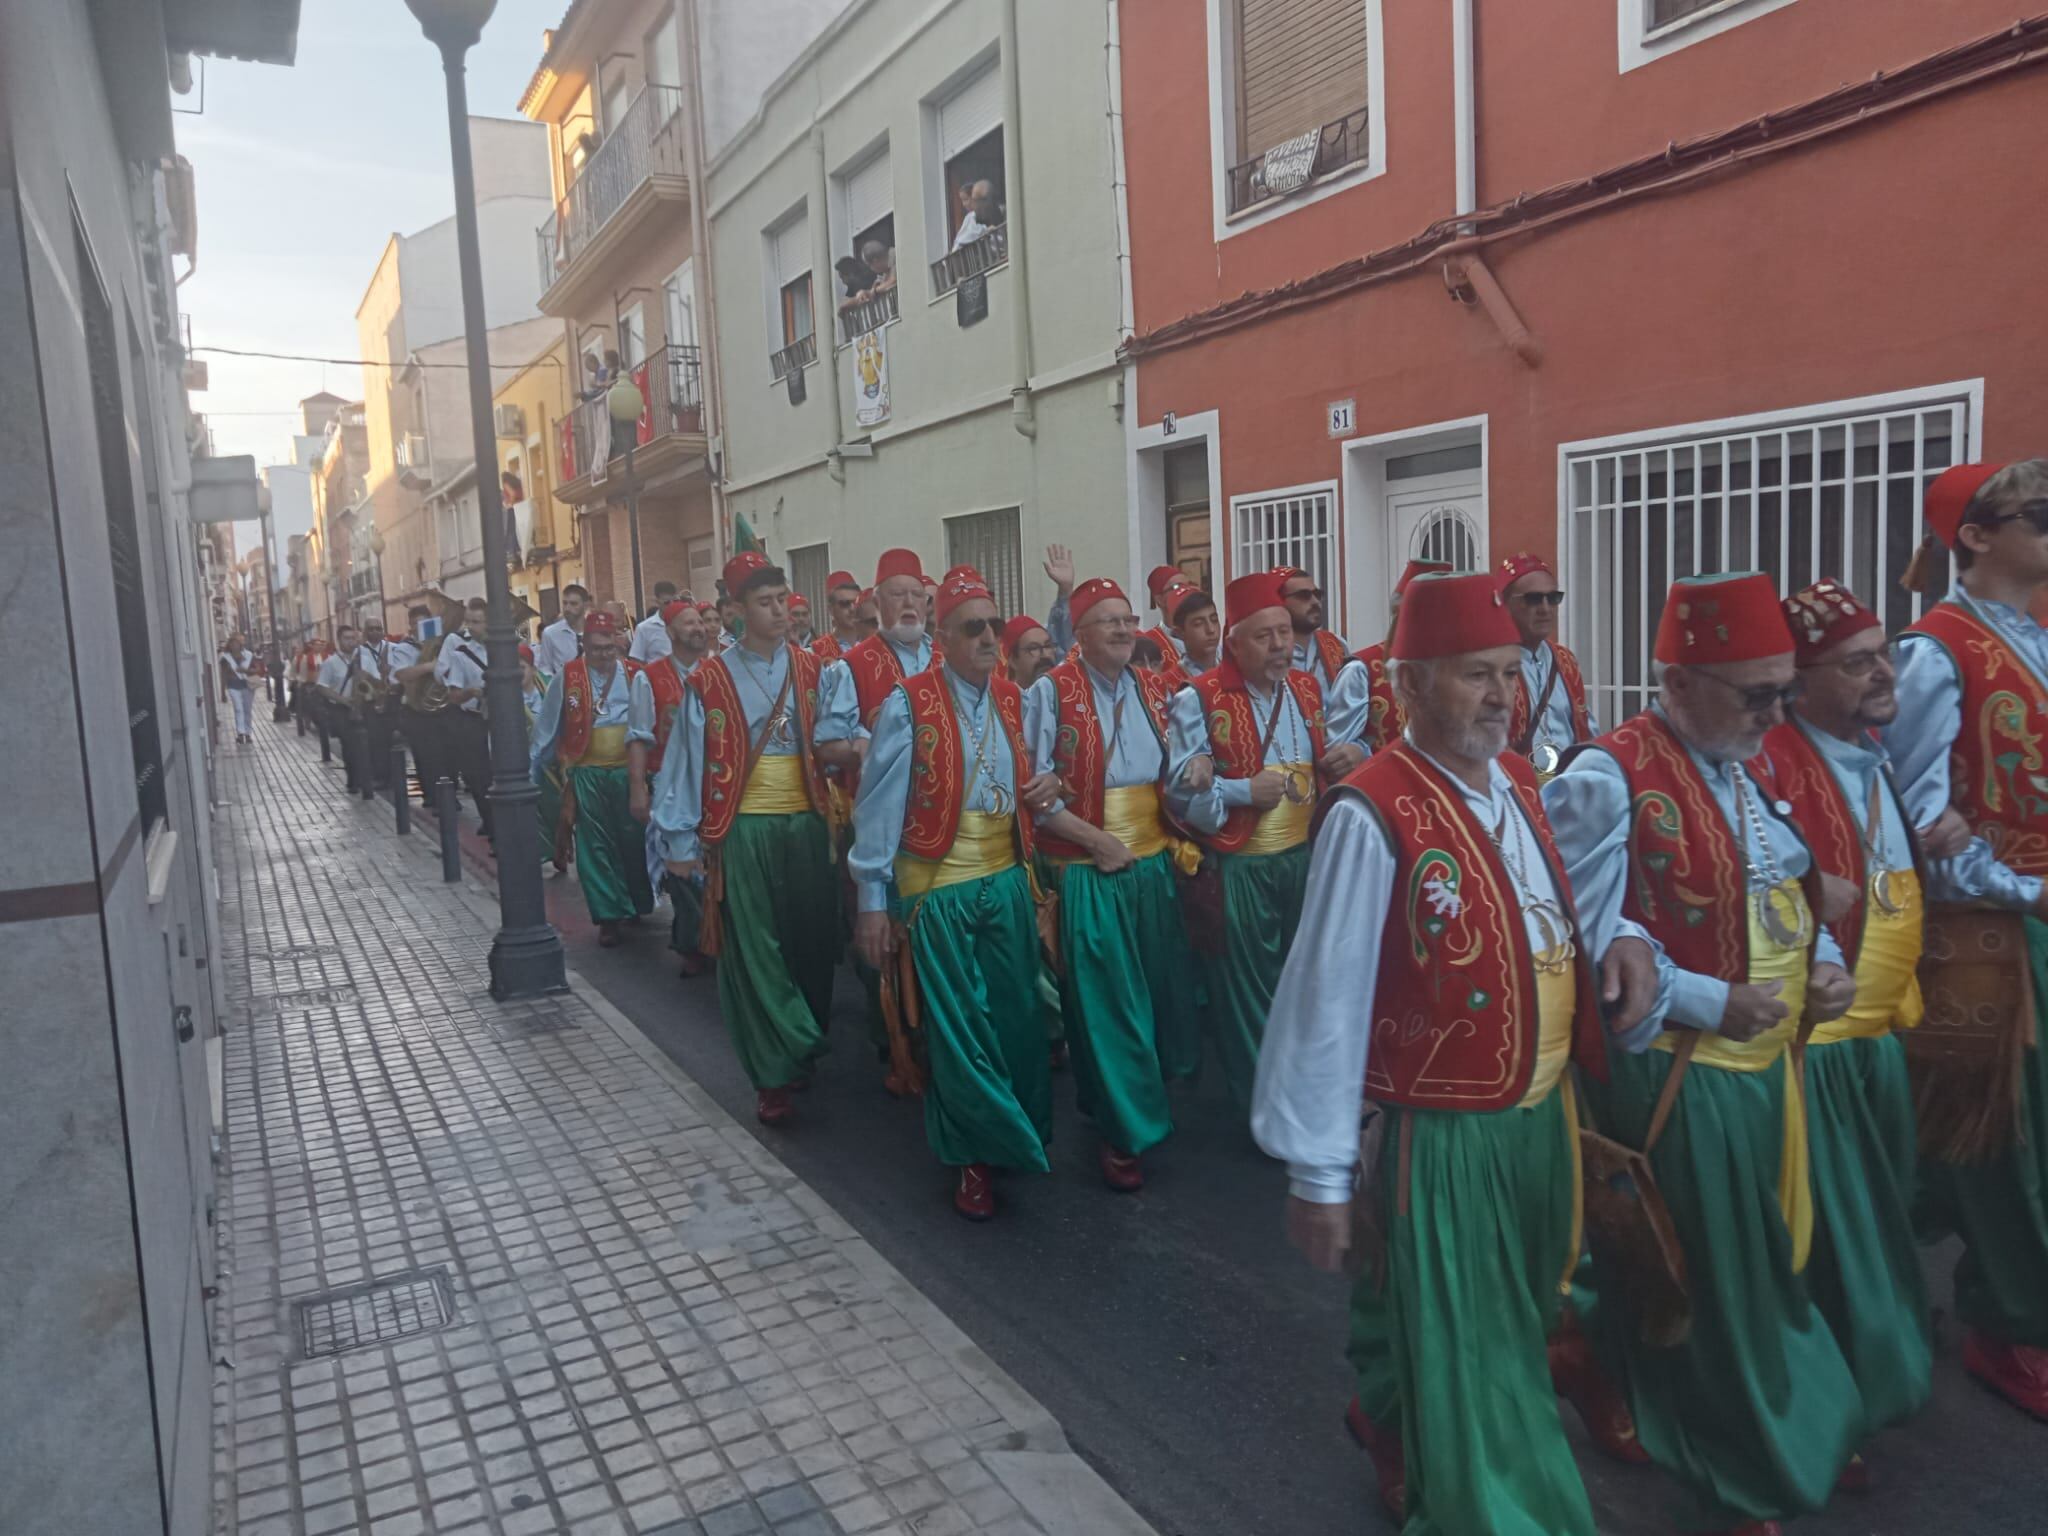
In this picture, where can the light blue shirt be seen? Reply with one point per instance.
(1305, 1099)
(1134, 753)
(1556, 725)
(1308, 657)
(677, 807)
(1059, 627)
(1187, 738)
(1857, 766)
(1588, 806)
(885, 782)
(1347, 694)
(609, 705)
(1930, 719)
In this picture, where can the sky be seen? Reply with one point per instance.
(302, 175)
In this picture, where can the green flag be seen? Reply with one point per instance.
(744, 540)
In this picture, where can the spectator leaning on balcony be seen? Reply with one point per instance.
(984, 213)
(880, 259)
(856, 277)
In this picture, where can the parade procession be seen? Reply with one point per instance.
(1632, 1067)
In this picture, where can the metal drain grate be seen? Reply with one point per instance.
(377, 1312)
(525, 1026)
(311, 997)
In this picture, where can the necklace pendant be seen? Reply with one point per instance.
(1881, 893)
(1297, 791)
(1785, 935)
(1544, 758)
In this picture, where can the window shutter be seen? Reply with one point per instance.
(990, 542)
(792, 250)
(970, 112)
(870, 195)
(1301, 64)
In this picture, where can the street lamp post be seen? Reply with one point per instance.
(526, 955)
(279, 712)
(625, 406)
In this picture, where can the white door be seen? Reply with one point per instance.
(1441, 517)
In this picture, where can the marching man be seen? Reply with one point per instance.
(1550, 713)
(1383, 717)
(658, 690)
(1440, 966)
(939, 818)
(842, 601)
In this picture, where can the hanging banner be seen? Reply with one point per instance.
(870, 354)
(566, 470)
(643, 431)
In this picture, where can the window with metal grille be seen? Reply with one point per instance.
(1834, 491)
(993, 545)
(807, 569)
(1296, 527)
(1446, 533)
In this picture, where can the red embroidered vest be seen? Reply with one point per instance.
(1998, 760)
(1454, 1015)
(727, 739)
(579, 701)
(1330, 651)
(1521, 722)
(667, 684)
(1162, 637)
(1384, 720)
(876, 672)
(1080, 756)
(827, 648)
(938, 768)
(1234, 738)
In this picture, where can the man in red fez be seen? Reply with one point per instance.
(800, 620)
(582, 729)
(1551, 714)
(1027, 651)
(1345, 683)
(1199, 627)
(656, 702)
(1165, 583)
(1096, 728)
(1825, 760)
(1668, 836)
(1383, 712)
(1245, 741)
(1441, 842)
(842, 603)
(957, 854)
(740, 807)
(1973, 700)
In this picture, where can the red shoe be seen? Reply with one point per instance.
(1577, 1377)
(1389, 1463)
(608, 936)
(1855, 1477)
(2016, 1372)
(976, 1197)
(1120, 1171)
(772, 1106)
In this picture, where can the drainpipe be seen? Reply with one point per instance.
(1023, 412)
(1464, 112)
(825, 299)
(711, 379)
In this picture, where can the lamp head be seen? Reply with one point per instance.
(623, 401)
(452, 23)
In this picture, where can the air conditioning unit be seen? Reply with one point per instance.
(509, 420)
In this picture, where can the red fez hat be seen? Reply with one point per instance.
(1823, 616)
(898, 562)
(1420, 568)
(1710, 619)
(1251, 594)
(1091, 592)
(709, 610)
(680, 605)
(740, 567)
(1162, 577)
(963, 570)
(840, 579)
(1515, 567)
(1178, 598)
(1949, 497)
(956, 590)
(1446, 615)
(602, 623)
(525, 651)
(1017, 629)
(798, 600)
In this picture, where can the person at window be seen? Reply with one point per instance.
(465, 740)
(1754, 1410)
(512, 496)
(1973, 688)
(582, 727)
(562, 641)
(332, 685)
(1347, 689)
(237, 661)
(745, 809)
(657, 699)
(842, 604)
(1477, 1175)
(1383, 711)
(984, 213)
(1551, 715)
(651, 639)
(856, 278)
(880, 260)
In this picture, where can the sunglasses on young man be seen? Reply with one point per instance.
(2034, 512)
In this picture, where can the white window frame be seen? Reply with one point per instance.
(1583, 618)
(937, 217)
(679, 302)
(1643, 44)
(772, 280)
(1244, 560)
(1223, 126)
(632, 338)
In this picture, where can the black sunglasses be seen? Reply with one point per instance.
(1538, 599)
(2034, 512)
(1314, 592)
(973, 629)
(1757, 700)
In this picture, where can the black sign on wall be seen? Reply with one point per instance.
(970, 300)
(798, 390)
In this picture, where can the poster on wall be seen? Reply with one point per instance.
(870, 355)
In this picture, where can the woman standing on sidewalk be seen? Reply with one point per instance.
(236, 663)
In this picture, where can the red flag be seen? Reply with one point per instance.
(644, 432)
(568, 464)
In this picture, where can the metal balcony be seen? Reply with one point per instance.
(1343, 142)
(640, 162)
(671, 426)
(984, 255)
(798, 355)
(870, 314)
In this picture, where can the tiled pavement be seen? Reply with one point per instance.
(656, 1328)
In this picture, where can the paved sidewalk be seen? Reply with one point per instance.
(652, 1327)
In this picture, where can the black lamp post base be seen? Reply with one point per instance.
(527, 962)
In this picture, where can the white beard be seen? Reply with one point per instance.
(907, 634)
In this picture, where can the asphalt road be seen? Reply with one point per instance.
(1191, 1357)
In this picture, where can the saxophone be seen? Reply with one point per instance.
(428, 694)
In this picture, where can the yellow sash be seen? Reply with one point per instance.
(1557, 999)
(1286, 825)
(985, 845)
(1131, 815)
(776, 788)
(1768, 961)
(607, 748)
(1887, 969)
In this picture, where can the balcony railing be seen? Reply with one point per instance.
(800, 353)
(870, 314)
(671, 384)
(984, 255)
(1344, 142)
(647, 141)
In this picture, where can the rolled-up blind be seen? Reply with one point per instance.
(1301, 64)
(792, 250)
(970, 112)
(870, 195)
